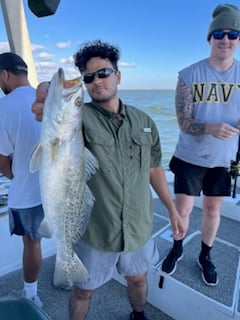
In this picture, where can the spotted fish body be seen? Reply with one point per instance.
(64, 166)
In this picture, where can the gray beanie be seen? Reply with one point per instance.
(225, 16)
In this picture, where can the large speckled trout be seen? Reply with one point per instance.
(64, 167)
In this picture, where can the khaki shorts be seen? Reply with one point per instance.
(101, 264)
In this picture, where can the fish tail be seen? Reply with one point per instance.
(69, 271)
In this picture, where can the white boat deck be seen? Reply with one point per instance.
(182, 296)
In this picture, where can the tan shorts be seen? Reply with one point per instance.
(101, 264)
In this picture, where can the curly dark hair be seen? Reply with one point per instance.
(96, 48)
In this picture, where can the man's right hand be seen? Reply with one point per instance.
(41, 93)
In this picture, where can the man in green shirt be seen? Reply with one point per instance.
(126, 143)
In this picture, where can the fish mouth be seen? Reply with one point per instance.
(67, 83)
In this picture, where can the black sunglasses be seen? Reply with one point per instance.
(101, 74)
(219, 34)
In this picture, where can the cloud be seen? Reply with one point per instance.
(127, 64)
(36, 47)
(71, 72)
(45, 64)
(63, 45)
(45, 56)
(4, 46)
(45, 70)
(68, 60)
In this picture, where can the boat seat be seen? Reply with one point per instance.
(20, 309)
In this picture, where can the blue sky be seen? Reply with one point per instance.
(157, 38)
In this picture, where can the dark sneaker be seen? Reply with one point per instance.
(169, 264)
(209, 273)
(132, 317)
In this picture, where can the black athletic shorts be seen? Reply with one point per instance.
(26, 221)
(192, 180)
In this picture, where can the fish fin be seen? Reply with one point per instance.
(68, 270)
(36, 158)
(91, 164)
(44, 230)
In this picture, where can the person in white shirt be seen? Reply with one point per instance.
(19, 134)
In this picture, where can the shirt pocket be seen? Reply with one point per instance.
(141, 149)
(102, 148)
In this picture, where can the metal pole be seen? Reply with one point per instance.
(18, 36)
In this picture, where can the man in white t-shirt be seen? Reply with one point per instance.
(19, 134)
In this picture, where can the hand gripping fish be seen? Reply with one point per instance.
(65, 165)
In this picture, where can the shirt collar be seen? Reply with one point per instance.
(108, 113)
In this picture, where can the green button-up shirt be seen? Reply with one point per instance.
(126, 145)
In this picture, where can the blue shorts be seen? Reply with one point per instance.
(26, 221)
(101, 264)
(192, 180)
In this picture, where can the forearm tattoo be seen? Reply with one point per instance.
(184, 110)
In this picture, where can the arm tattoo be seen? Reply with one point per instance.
(184, 110)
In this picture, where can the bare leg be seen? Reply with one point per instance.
(79, 303)
(211, 219)
(32, 259)
(184, 205)
(137, 291)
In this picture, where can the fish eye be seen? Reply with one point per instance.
(78, 101)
